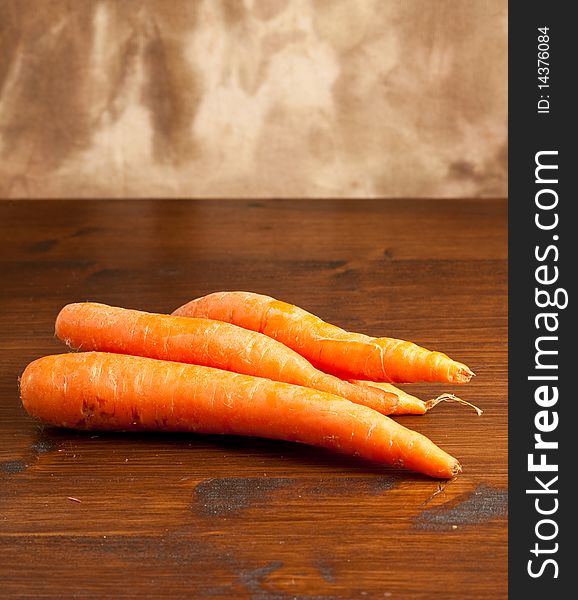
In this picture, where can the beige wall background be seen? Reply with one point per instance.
(259, 98)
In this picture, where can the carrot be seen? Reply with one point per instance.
(96, 390)
(410, 405)
(327, 347)
(91, 326)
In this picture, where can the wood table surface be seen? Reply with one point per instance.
(96, 515)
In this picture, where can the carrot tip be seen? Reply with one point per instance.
(464, 374)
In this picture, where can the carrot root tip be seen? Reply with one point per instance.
(457, 469)
(464, 375)
(429, 404)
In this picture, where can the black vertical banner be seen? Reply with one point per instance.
(543, 260)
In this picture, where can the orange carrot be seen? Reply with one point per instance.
(96, 390)
(410, 405)
(90, 326)
(327, 347)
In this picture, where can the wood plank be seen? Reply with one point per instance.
(218, 517)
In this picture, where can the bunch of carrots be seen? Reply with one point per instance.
(245, 364)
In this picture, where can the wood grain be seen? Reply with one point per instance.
(111, 515)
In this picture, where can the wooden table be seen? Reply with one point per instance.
(86, 515)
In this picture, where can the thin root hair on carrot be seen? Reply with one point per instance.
(451, 398)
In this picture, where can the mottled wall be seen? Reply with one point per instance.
(212, 98)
